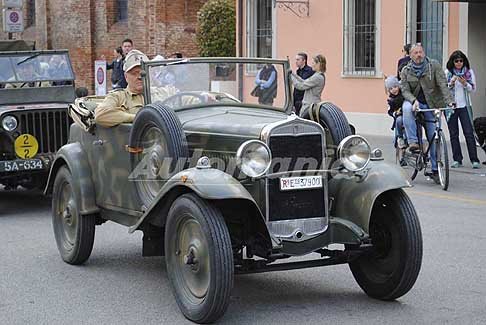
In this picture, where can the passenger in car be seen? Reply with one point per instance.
(121, 105)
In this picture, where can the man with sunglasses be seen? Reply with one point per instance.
(121, 105)
(423, 85)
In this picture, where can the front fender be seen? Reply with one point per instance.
(209, 184)
(354, 199)
(73, 156)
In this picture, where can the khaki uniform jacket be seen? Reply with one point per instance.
(119, 106)
(312, 86)
(433, 82)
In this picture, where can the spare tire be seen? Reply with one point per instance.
(158, 149)
(333, 121)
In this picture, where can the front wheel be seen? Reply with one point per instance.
(199, 258)
(442, 161)
(74, 232)
(390, 269)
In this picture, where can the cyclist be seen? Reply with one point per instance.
(423, 85)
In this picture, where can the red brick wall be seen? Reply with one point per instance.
(88, 29)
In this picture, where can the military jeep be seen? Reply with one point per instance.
(221, 185)
(36, 88)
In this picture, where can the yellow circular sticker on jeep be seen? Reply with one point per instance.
(26, 146)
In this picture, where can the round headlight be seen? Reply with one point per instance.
(254, 158)
(9, 123)
(354, 152)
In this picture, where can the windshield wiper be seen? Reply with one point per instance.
(29, 58)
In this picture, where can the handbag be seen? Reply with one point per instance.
(256, 92)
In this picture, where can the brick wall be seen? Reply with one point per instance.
(89, 29)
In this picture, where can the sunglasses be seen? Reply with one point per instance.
(458, 60)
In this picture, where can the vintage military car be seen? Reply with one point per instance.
(221, 185)
(36, 88)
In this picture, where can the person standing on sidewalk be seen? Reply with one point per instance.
(303, 71)
(461, 81)
(117, 75)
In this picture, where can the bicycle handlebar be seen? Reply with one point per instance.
(434, 109)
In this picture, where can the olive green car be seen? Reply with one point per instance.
(221, 185)
(36, 88)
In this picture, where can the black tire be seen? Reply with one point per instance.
(333, 121)
(414, 161)
(201, 283)
(442, 161)
(392, 266)
(74, 232)
(158, 131)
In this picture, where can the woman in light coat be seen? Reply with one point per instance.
(312, 86)
(461, 81)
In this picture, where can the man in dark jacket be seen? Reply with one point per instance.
(303, 71)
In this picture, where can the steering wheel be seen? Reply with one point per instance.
(176, 100)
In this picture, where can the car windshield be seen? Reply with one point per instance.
(194, 82)
(35, 66)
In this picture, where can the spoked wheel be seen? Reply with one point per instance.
(390, 269)
(74, 233)
(199, 258)
(442, 161)
(413, 163)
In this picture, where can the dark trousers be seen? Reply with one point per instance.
(467, 128)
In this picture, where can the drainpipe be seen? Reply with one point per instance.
(240, 48)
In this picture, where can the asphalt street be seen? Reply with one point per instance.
(119, 286)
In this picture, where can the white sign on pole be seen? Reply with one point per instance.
(100, 77)
(13, 21)
(12, 3)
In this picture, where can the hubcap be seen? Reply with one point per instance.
(68, 216)
(192, 258)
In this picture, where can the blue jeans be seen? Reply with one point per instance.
(467, 128)
(411, 128)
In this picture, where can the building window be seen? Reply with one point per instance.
(360, 41)
(30, 13)
(425, 24)
(121, 10)
(259, 28)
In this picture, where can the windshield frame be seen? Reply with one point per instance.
(287, 108)
(35, 54)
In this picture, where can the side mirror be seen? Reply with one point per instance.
(81, 92)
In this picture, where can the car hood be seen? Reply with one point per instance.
(29, 107)
(243, 122)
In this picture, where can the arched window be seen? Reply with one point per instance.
(121, 10)
(30, 13)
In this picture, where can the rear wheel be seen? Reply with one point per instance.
(442, 161)
(199, 258)
(392, 266)
(74, 232)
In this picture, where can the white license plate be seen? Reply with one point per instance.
(20, 165)
(299, 183)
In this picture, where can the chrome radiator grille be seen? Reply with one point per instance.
(296, 204)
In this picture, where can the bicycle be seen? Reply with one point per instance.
(414, 162)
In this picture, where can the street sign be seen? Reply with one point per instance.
(13, 20)
(100, 77)
(12, 3)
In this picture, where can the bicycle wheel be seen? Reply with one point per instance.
(413, 163)
(442, 161)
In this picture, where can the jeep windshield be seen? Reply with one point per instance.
(215, 81)
(26, 67)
